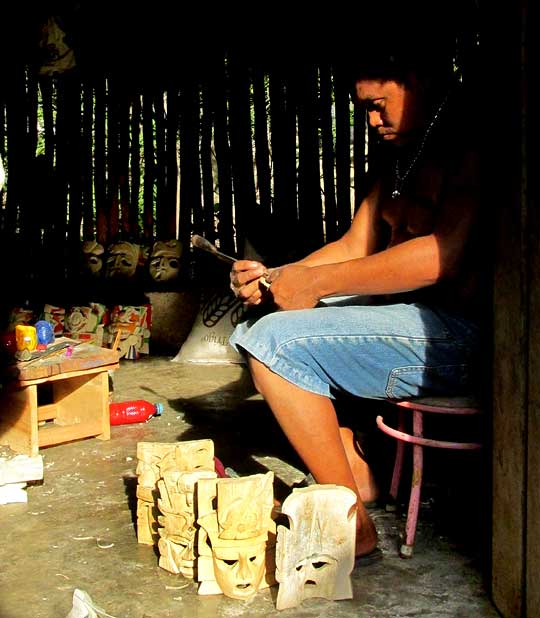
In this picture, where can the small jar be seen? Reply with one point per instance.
(26, 337)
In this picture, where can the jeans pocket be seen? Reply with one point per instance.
(421, 381)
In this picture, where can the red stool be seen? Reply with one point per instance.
(439, 405)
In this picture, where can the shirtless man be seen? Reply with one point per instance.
(412, 247)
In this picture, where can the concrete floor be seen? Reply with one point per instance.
(77, 530)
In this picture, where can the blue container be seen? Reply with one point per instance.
(44, 331)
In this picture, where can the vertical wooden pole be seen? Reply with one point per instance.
(507, 199)
(149, 163)
(241, 147)
(283, 141)
(223, 159)
(123, 106)
(113, 158)
(170, 224)
(343, 152)
(262, 151)
(310, 212)
(100, 171)
(87, 169)
(190, 172)
(135, 164)
(207, 172)
(531, 66)
(159, 128)
(327, 153)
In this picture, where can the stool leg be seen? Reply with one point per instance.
(406, 549)
(398, 466)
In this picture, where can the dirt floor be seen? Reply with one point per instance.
(77, 530)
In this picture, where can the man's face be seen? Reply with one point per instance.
(393, 109)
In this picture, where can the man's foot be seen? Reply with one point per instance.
(365, 481)
(374, 556)
(366, 534)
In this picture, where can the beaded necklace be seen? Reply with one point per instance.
(399, 178)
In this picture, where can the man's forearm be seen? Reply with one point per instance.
(332, 253)
(409, 266)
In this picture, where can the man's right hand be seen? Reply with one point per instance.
(247, 281)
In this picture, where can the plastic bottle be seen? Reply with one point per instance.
(137, 411)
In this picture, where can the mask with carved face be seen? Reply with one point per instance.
(314, 557)
(93, 257)
(164, 264)
(122, 260)
(236, 536)
(239, 569)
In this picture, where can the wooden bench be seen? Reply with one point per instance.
(57, 398)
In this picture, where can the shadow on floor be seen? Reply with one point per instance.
(455, 496)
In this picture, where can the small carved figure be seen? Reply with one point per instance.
(164, 262)
(315, 556)
(236, 536)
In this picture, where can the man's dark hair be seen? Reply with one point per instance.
(410, 42)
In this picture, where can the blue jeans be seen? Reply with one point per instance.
(377, 352)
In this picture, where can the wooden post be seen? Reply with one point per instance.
(511, 194)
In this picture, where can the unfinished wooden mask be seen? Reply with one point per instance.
(164, 261)
(315, 555)
(122, 260)
(177, 506)
(237, 535)
(155, 458)
(93, 254)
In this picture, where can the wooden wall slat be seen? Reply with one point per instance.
(59, 213)
(87, 194)
(149, 163)
(505, 200)
(190, 173)
(123, 163)
(531, 67)
(113, 160)
(171, 164)
(31, 197)
(309, 177)
(241, 147)
(343, 152)
(327, 153)
(208, 228)
(135, 164)
(262, 151)
(359, 156)
(2, 125)
(17, 152)
(100, 173)
(46, 88)
(283, 143)
(161, 165)
(32, 110)
(73, 152)
(225, 229)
